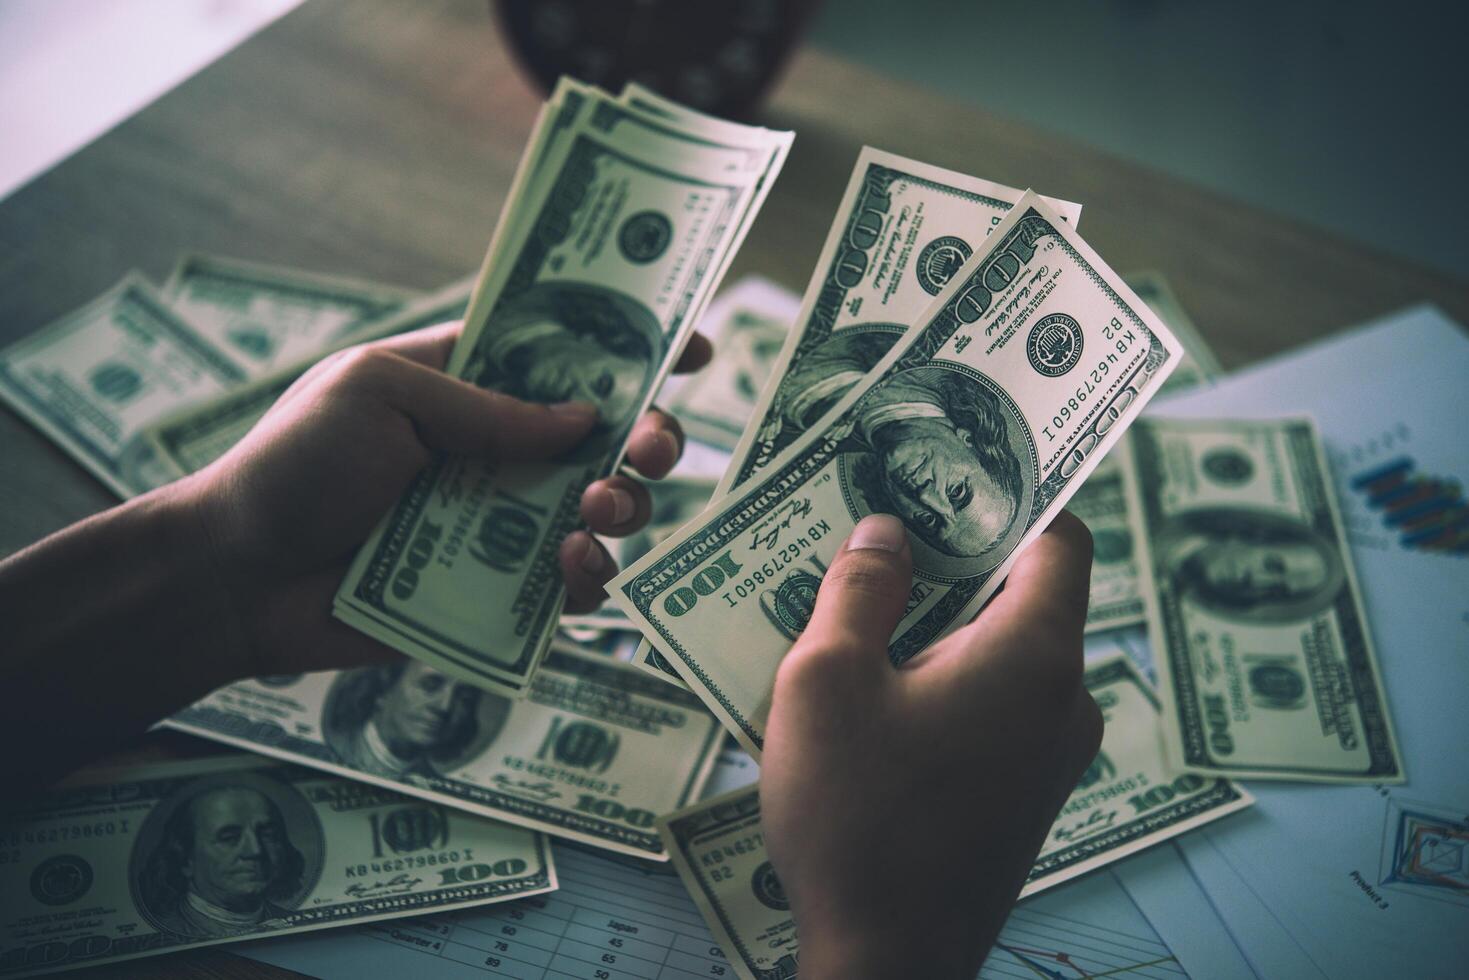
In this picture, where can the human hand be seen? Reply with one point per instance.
(283, 512)
(903, 807)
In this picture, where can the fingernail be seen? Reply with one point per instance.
(623, 506)
(669, 442)
(575, 410)
(882, 532)
(592, 559)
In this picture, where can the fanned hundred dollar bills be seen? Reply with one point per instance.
(1128, 800)
(139, 862)
(901, 232)
(620, 223)
(1264, 656)
(974, 429)
(191, 439)
(593, 752)
(268, 318)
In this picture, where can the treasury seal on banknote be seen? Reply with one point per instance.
(408, 719)
(562, 342)
(226, 855)
(947, 451)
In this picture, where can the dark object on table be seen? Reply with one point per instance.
(716, 57)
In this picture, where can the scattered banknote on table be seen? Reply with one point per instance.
(594, 751)
(1198, 367)
(1264, 656)
(267, 318)
(1129, 799)
(901, 232)
(100, 379)
(95, 378)
(975, 429)
(619, 226)
(714, 405)
(150, 860)
(675, 501)
(1116, 599)
(189, 440)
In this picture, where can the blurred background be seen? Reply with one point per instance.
(1346, 115)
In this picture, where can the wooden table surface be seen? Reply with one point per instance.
(377, 139)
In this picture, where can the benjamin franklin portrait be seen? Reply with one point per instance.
(824, 375)
(1251, 565)
(408, 719)
(947, 453)
(569, 342)
(222, 860)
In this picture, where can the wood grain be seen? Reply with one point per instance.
(377, 139)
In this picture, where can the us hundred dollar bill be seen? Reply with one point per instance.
(192, 438)
(974, 429)
(901, 232)
(140, 862)
(590, 293)
(1128, 799)
(268, 318)
(1264, 656)
(1198, 367)
(96, 378)
(594, 751)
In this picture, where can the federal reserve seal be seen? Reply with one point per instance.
(61, 879)
(1054, 345)
(939, 260)
(645, 236)
(768, 889)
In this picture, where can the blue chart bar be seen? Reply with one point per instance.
(1429, 512)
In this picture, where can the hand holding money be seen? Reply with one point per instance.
(229, 573)
(923, 758)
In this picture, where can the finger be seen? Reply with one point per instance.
(1032, 630)
(453, 416)
(859, 603)
(1050, 580)
(697, 353)
(586, 568)
(430, 347)
(655, 444)
(616, 506)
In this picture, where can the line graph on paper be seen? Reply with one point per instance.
(1037, 943)
(621, 919)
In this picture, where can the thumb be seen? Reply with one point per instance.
(862, 595)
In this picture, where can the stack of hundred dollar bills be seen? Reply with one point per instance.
(961, 358)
